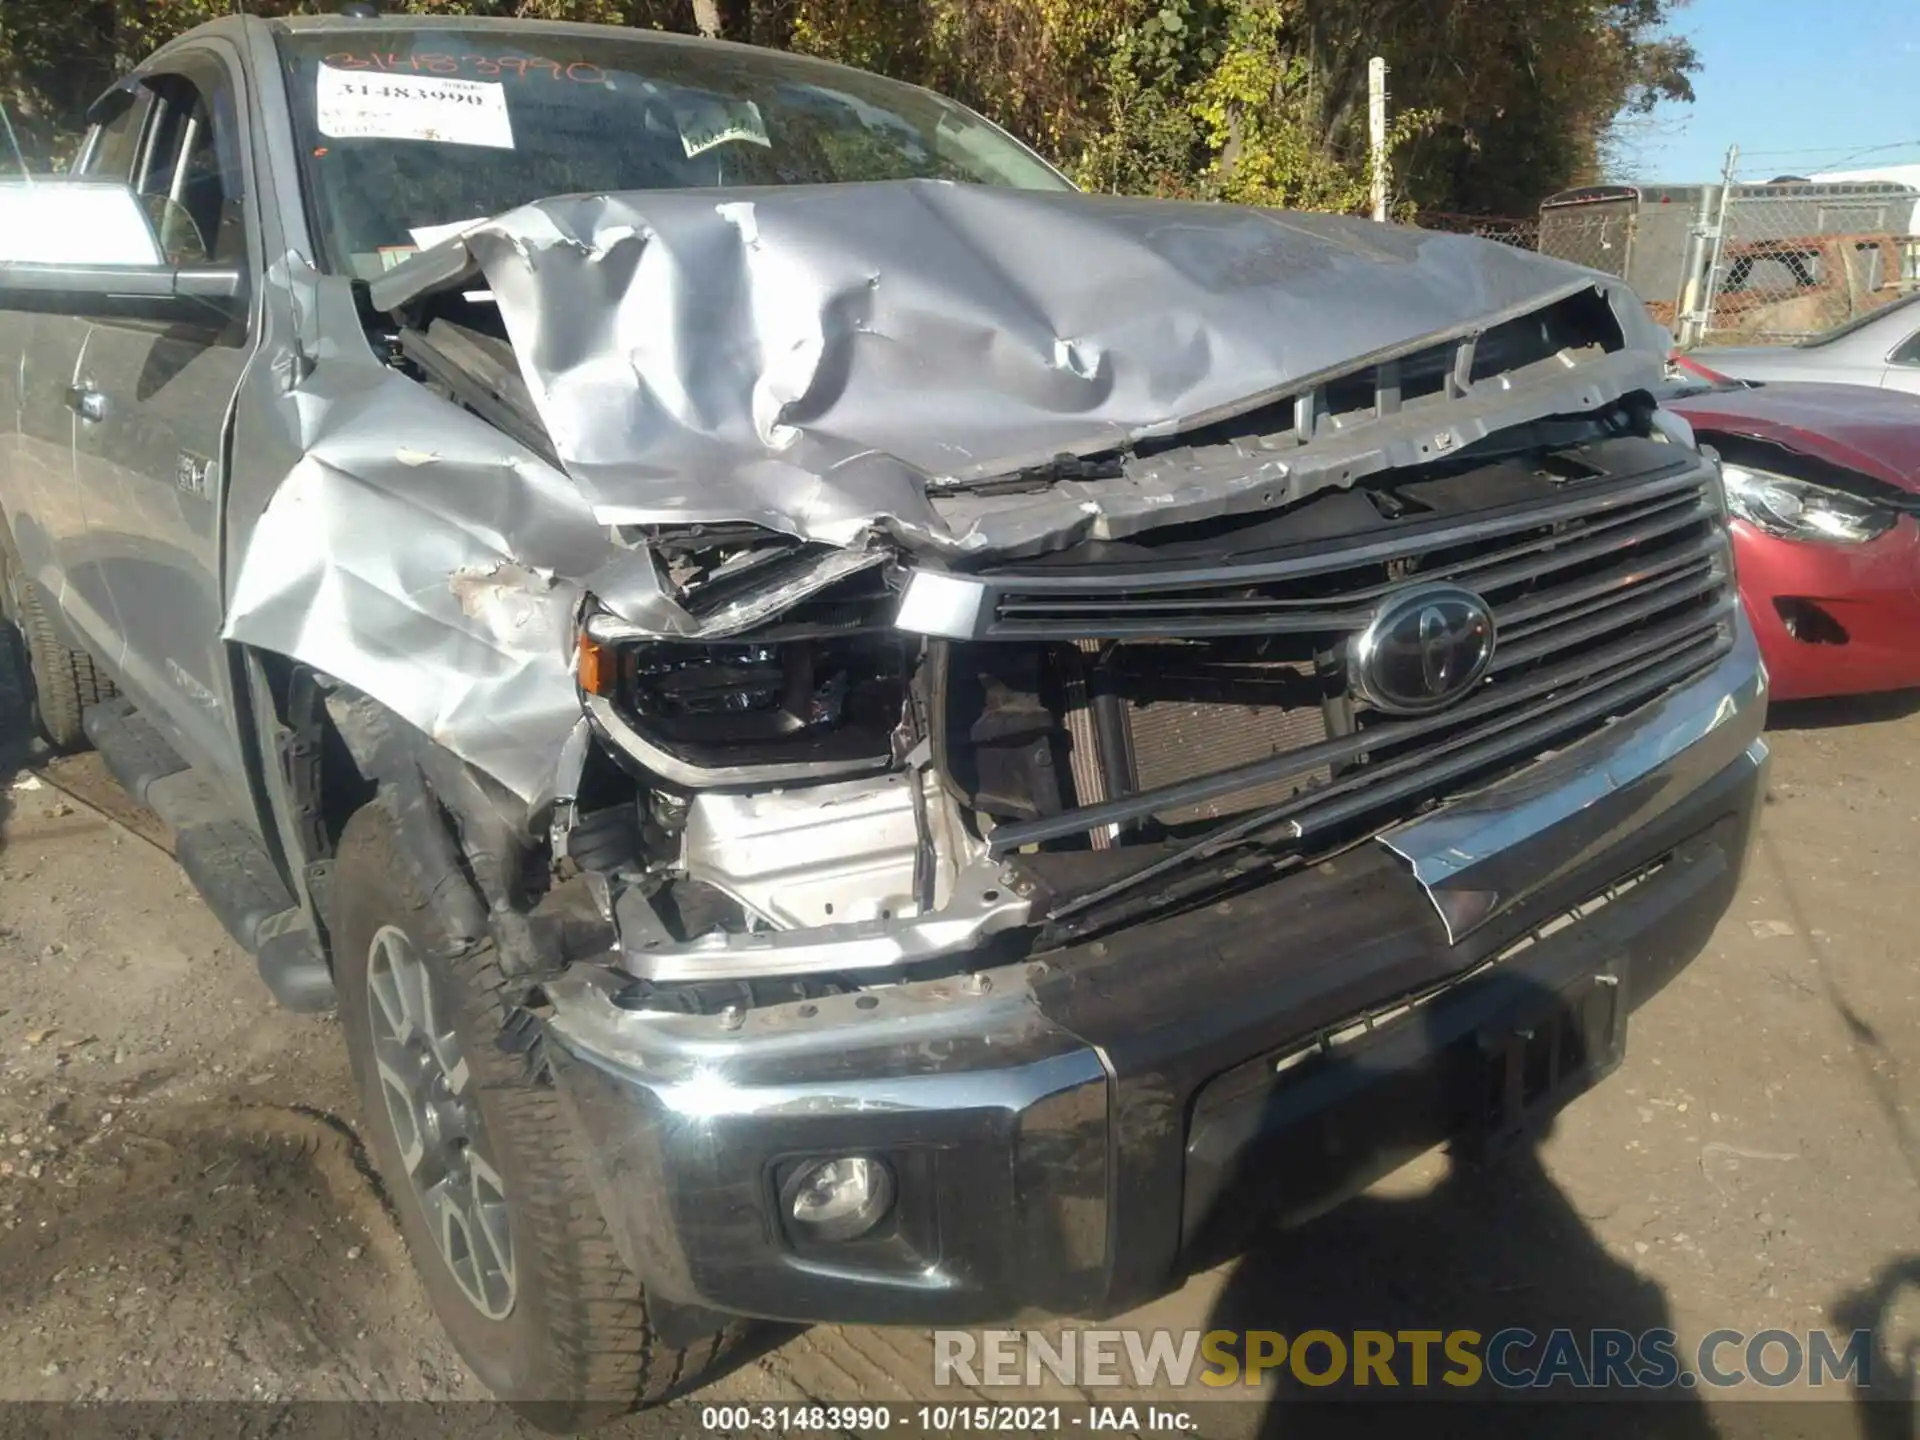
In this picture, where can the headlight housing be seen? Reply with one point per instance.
(739, 710)
(802, 676)
(1801, 510)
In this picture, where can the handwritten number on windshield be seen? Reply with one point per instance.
(489, 67)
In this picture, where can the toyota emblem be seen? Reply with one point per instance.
(1424, 648)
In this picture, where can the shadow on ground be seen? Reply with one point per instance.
(1492, 1247)
(1889, 1306)
(18, 744)
(1842, 710)
(246, 1241)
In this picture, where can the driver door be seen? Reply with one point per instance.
(150, 450)
(42, 356)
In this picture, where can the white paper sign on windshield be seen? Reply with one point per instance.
(363, 105)
(712, 121)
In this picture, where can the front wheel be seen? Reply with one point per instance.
(484, 1168)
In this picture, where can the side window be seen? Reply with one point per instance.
(112, 148)
(1907, 352)
(190, 175)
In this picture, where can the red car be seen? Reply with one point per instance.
(1824, 485)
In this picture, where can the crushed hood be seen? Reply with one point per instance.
(840, 364)
(824, 360)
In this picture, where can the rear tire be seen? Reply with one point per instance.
(61, 684)
(556, 1325)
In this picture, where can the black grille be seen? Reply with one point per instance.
(1604, 593)
(1542, 566)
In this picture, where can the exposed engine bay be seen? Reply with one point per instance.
(891, 665)
(1123, 740)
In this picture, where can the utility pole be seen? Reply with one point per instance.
(1377, 134)
(1712, 287)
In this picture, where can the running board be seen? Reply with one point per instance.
(136, 754)
(221, 854)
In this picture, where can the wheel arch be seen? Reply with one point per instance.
(325, 750)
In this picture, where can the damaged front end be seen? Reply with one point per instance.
(912, 767)
(922, 642)
(886, 721)
(916, 628)
(792, 823)
(991, 877)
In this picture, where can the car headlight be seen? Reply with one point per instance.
(1801, 510)
(753, 709)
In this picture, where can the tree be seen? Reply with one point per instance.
(1497, 102)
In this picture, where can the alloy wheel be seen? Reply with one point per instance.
(429, 1092)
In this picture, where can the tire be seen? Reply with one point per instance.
(62, 684)
(575, 1345)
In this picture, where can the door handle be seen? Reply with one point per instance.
(88, 404)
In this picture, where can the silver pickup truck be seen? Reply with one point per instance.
(856, 734)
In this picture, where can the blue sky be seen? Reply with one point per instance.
(1799, 85)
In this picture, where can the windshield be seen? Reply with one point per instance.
(407, 135)
(1859, 322)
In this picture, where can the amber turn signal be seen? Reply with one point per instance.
(595, 668)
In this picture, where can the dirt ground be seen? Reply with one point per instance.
(186, 1212)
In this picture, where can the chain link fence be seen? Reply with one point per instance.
(1795, 258)
(1522, 234)
(1734, 263)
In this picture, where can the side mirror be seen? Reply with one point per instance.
(86, 247)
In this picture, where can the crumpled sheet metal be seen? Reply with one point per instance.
(435, 565)
(424, 559)
(818, 359)
(418, 555)
(809, 360)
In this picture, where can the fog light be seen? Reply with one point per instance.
(839, 1199)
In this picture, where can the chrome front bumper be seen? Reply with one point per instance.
(1476, 856)
(1034, 1114)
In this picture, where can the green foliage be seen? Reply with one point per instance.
(1256, 110)
(1495, 102)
